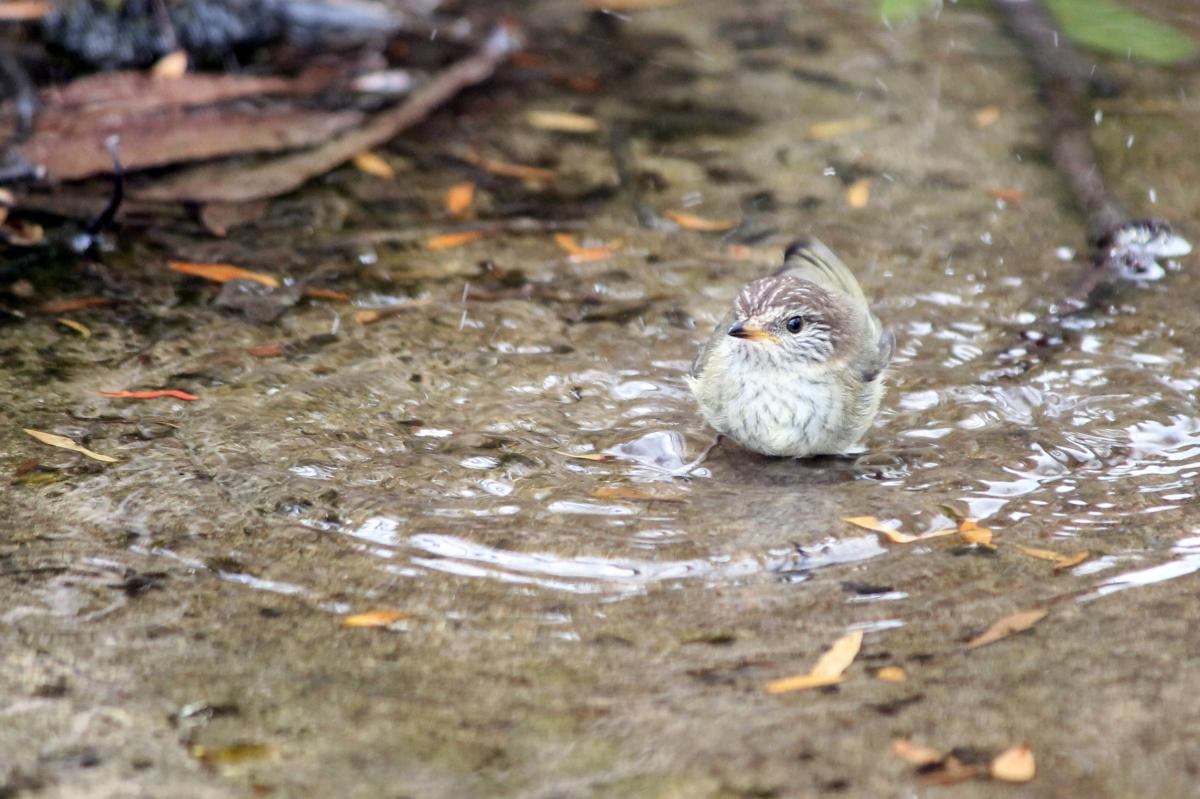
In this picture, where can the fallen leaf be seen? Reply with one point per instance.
(65, 443)
(237, 182)
(892, 534)
(838, 127)
(508, 170)
(374, 618)
(459, 198)
(373, 164)
(828, 669)
(1014, 765)
(172, 65)
(598, 457)
(223, 273)
(859, 193)
(891, 674)
(78, 327)
(448, 240)
(986, 116)
(972, 533)
(1069, 562)
(578, 254)
(1009, 625)
(327, 294)
(562, 121)
(233, 755)
(1044, 554)
(24, 10)
(74, 304)
(633, 492)
(1008, 195)
(584, 84)
(266, 350)
(913, 753)
(154, 394)
(693, 222)
(22, 234)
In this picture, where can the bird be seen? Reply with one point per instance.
(797, 367)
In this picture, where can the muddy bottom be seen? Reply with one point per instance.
(508, 465)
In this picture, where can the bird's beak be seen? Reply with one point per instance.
(750, 332)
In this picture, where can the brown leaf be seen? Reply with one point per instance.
(1009, 625)
(836, 128)
(562, 121)
(1008, 195)
(891, 674)
(327, 294)
(73, 304)
(63, 442)
(1044, 554)
(24, 10)
(266, 350)
(153, 394)
(1014, 765)
(692, 222)
(859, 193)
(233, 755)
(828, 669)
(375, 314)
(373, 164)
(238, 182)
(459, 198)
(447, 241)
(952, 771)
(375, 618)
(223, 273)
(508, 170)
(1065, 563)
(914, 753)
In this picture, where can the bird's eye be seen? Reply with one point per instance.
(795, 324)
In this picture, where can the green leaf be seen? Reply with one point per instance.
(1108, 27)
(901, 10)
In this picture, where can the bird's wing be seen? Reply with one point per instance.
(874, 365)
(809, 259)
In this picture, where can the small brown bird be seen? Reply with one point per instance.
(796, 368)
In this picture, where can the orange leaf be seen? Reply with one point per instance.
(1044, 554)
(223, 273)
(375, 618)
(692, 222)
(373, 164)
(1008, 195)
(891, 674)
(508, 170)
(24, 10)
(971, 533)
(327, 294)
(266, 350)
(448, 240)
(1068, 562)
(632, 492)
(162, 392)
(580, 255)
(893, 535)
(459, 198)
(859, 193)
(915, 753)
(1009, 625)
(76, 304)
(1014, 765)
(828, 669)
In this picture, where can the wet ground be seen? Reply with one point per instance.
(172, 623)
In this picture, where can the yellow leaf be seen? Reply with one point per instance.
(172, 65)
(223, 273)
(1009, 625)
(859, 193)
(459, 198)
(599, 457)
(692, 222)
(562, 121)
(838, 127)
(891, 674)
(373, 164)
(828, 669)
(374, 618)
(972, 533)
(66, 443)
(447, 241)
(78, 327)
(233, 755)
(915, 753)
(1014, 765)
(1044, 554)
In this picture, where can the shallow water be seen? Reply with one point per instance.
(521, 475)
